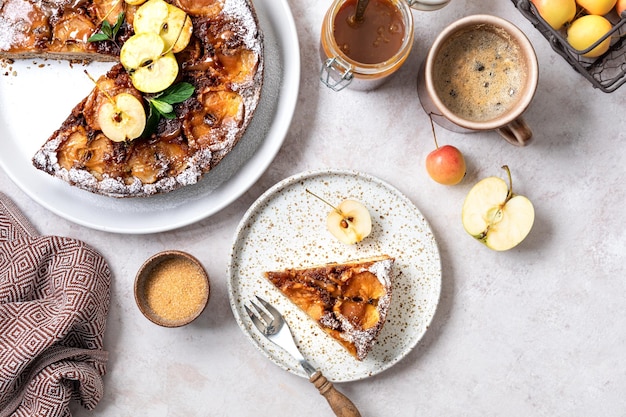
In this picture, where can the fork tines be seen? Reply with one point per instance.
(262, 317)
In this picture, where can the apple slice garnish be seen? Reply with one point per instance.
(495, 216)
(150, 16)
(150, 68)
(166, 20)
(350, 221)
(177, 30)
(122, 117)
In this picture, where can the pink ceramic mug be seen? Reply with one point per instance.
(480, 74)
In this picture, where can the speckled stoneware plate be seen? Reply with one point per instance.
(286, 227)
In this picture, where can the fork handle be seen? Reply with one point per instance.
(341, 405)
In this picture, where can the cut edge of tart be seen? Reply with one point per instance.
(223, 62)
(348, 300)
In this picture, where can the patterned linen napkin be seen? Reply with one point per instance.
(54, 300)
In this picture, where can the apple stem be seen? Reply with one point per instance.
(107, 95)
(180, 32)
(579, 13)
(508, 173)
(321, 199)
(432, 128)
(106, 16)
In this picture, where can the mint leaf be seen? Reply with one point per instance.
(108, 33)
(177, 93)
(162, 106)
(106, 29)
(118, 23)
(152, 121)
(96, 37)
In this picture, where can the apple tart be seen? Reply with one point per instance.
(185, 89)
(349, 301)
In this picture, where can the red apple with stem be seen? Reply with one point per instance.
(445, 164)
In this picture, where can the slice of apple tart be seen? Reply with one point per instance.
(186, 88)
(348, 300)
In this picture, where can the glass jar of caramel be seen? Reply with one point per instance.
(363, 53)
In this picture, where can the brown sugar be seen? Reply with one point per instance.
(176, 289)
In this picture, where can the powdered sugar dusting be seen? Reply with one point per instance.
(12, 29)
(240, 10)
(363, 339)
(382, 270)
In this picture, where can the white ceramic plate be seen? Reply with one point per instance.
(34, 102)
(286, 227)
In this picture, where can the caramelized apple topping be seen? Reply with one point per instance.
(73, 28)
(74, 153)
(206, 8)
(364, 287)
(218, 108)
(361, 314)
(307, 299)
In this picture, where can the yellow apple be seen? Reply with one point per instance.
(495, 216)
(122, 117)
(151, 69)
(597, 7)
(620, 7)
(350, 222)
(556, 12)
(166, 20)
(587, 30)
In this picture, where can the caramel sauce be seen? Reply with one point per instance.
(375, 39)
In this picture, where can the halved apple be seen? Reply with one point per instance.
(122, 117)
(151, 70)
(350, 222)
(166, 20)
(495, 216)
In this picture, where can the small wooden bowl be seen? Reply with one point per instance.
(172, 288)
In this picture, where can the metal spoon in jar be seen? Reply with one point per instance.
(360, 11)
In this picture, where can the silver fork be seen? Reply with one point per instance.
(271, 324)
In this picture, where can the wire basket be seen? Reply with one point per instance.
(606, 72)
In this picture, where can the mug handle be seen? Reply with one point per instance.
(517, 132)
